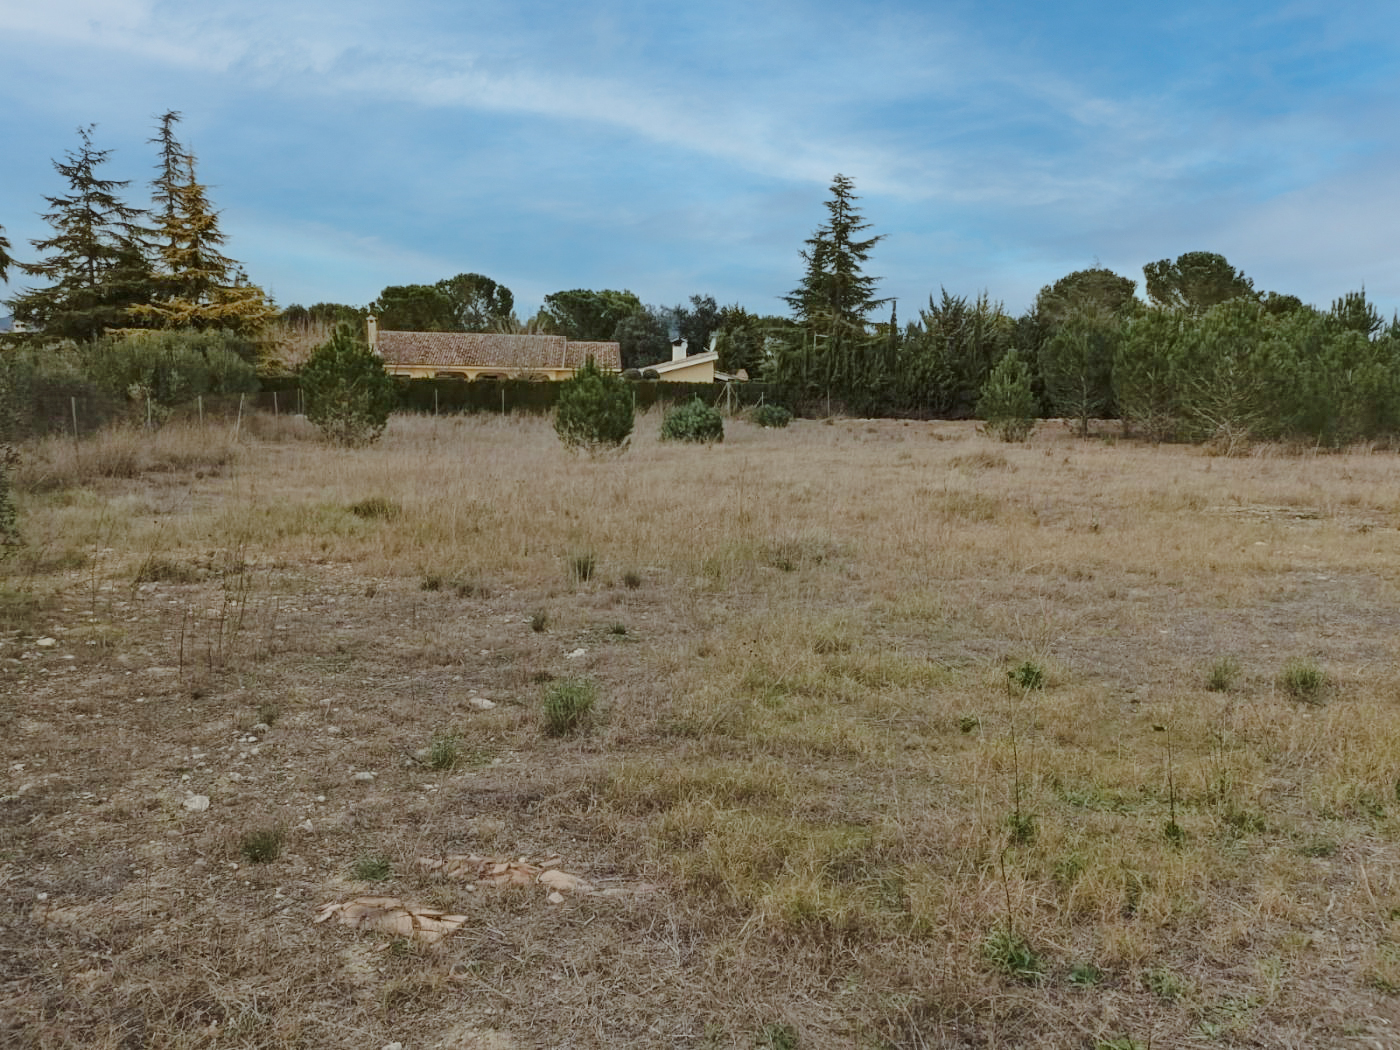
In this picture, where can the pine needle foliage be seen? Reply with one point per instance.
(348, 394)
(94, 262)
(1008, 403)
(595, 412)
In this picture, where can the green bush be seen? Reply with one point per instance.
(1007, 404)
(167, 368)
(594, 412)
(775, 416)
(347, 392)
(693, 421)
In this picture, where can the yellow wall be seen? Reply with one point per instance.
(699, 372)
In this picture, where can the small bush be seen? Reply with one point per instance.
(595, 411)
(1021, 828)
(1303, 679)
(968, 723)
(262, 845)
(774, 416)
(430, 582)
(567, 706)
(347, 392)
(631, 580)
(777, 1036)
(1223, 675)
(693, 421)
(539, 621)
(372, 868)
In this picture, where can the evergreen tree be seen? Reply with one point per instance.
(348, 393)
(835, 354)
(1076, 364)
(197, 285)
(1195, 282)
(95, 260)
(5, 260)
(594, 412)
(1007, 404)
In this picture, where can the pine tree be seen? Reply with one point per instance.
(198, 286)
(348, 394)
(1007, 404)
(595, 410)
(96, 261)
(836, 355)
(5, 261)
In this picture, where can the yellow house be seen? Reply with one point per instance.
(695, 368)
(486, 355)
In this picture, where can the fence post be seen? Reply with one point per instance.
(274, 404)
(238, 425)
(73, 403)
(435, 399)
(201, 411)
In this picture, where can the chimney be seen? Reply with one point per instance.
(678, 349)
(372, 323)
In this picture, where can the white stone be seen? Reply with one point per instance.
(197, 803)
(575, 654)
(364, 776)
(46, 643)
(481, 703)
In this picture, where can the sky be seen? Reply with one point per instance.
(675, 149)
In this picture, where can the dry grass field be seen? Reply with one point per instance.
(901, 738)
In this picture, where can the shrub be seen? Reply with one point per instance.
(594, 412)
(347, 392)
(775, 416)
(567, 706)
(1007, 404)
(693, 421)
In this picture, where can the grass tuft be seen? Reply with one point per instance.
(1304, 679)
(1009, 953)
(444, 751)
(1223, 675)
(262, 845)
(568, 706)
(370, 867)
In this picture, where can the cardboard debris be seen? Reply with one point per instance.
(394, 917)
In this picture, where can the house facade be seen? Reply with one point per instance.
(486, 355)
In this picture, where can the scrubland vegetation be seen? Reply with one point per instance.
(867, 734)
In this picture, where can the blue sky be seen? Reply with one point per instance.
(674, 149)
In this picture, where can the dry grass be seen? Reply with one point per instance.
(865, 833)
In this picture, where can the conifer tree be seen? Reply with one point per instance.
(95, 261)
(5, 260)
(835, 354)
(197, 285)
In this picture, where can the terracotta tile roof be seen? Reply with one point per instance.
(513, 353)
(605, 355)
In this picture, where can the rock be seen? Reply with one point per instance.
(46, 643)
(576, 654)
(555, 898)
(306, 825)
(196, 803)
(364, 777)
(481, 703)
